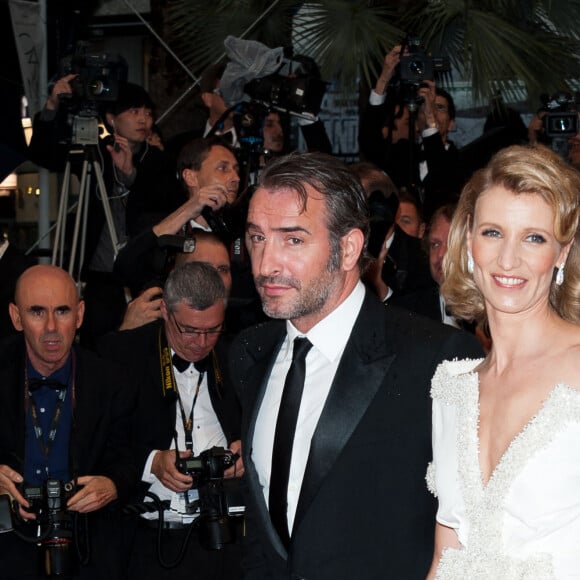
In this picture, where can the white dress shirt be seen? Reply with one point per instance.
(328, 338)
(207, 431)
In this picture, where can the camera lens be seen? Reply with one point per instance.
(417, 67)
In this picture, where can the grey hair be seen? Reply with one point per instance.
(197, 284)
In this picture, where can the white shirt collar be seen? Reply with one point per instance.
(331, 334)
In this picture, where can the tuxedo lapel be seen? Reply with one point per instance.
(362, 370)
(261, 354)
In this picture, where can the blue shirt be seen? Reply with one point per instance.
(38, 468)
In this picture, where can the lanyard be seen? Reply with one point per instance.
(46, 445)
(188, 422)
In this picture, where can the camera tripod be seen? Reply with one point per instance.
(91, 168)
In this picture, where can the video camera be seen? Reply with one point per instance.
(295, 88)
(57, 553)
(216, 495)
(99, 75)
(416, 67)
(561, 118)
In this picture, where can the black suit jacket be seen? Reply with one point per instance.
(364, 510)
(100, 443)
(406, 268)
(155, 414)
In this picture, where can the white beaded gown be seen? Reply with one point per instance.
(525, 523)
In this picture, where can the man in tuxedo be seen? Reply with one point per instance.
(185, 400)
(64, 415)
(344, 497)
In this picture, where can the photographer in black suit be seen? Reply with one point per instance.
(184, 389)
(64, 415)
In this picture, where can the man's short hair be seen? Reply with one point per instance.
(194, 153)
(344, 197)
(130, 96)
(197, 284)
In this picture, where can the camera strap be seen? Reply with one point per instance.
(169, 384)
(188, 422)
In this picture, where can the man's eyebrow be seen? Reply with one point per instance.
(39, 308)
(283, 229)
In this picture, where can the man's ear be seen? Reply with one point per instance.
(163, 309)
(189, 177)
(15, 316)
(352, 245)
(80, 313)
(110, 118)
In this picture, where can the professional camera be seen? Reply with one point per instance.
(295, 88)
(561, 118)
(417, 66)
(218, 500)
(208, 466)
(57, 551)
(98, 77)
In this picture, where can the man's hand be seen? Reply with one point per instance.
(8, 485)
(428, 117)
(373, 274)
(144, 309)
(61, 87)
(122, 155)
(391, 60)
(163, 467)
(213, 196)
(97, 492)
(236, 470)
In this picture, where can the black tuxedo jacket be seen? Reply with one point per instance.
(364, 510)
(406, 268)
(155, 414)
(424, 302)
(105, 398)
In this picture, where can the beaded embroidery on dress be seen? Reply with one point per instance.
(503, 534)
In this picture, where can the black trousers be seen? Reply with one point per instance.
(197, 563)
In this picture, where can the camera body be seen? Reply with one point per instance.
(57, 554)
(208, 466)
(561, 119)
(418, 66)
(216, 526)
(99, 75)
(296, 88)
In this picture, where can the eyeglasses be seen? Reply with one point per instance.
(441, 107)
(196, 332)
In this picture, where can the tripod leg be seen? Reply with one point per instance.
(61, 219)
(106, 207)
(83, 199)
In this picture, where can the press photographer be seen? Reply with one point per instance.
(64, 417)
(180, 365)
(405, 127)
(557, 125)
(139, 181)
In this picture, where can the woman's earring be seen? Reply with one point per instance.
(560, 274)
(470, 264)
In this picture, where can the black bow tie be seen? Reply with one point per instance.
(182, 365)
(35, 384)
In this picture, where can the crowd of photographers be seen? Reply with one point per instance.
(161, 306)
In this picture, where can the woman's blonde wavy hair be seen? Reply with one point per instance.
(533, 169)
